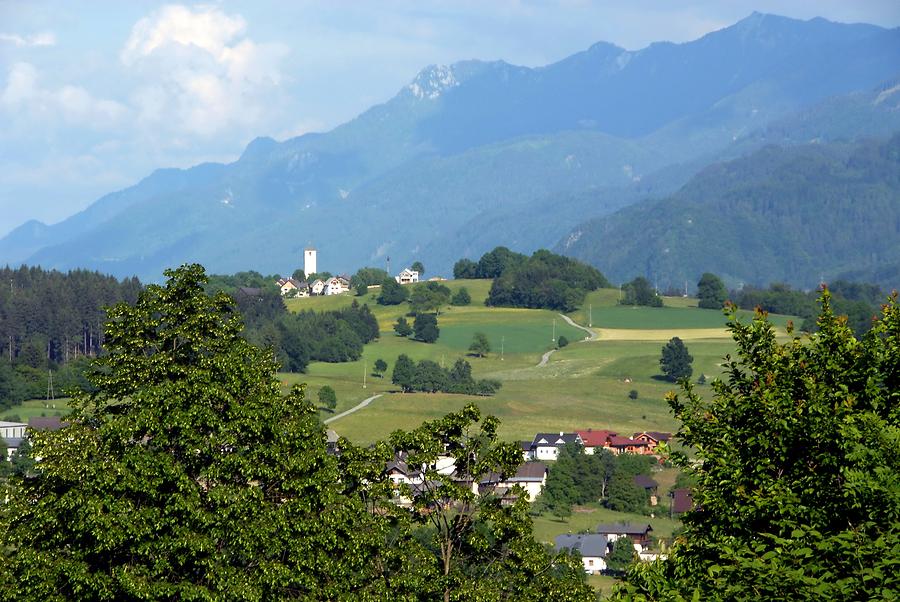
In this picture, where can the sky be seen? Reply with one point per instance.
(96, 95)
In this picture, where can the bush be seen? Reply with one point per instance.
(392, 293)
(425, 328)
(561, 342)
(462, 297)
(633, 394)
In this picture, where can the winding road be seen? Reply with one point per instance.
(359, 406)
(592, 336)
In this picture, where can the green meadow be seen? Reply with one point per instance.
(583, 385)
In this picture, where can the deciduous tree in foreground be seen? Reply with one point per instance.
(186, 475)
(798, 472)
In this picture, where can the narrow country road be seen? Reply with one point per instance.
(592, 336)
(545, 358)
(359, 406)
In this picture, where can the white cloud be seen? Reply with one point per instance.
(44, 38)
(199, 72)
(24, 94)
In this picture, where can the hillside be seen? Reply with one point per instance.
(796, 214)
(523, 153)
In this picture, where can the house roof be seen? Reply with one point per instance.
(14, 442)
(6, 424)
(529, 472)
(594, 438)
(526, 445)
(399, 464)
(591, 544)
(655, 435)
(645, 482)
(554, 439)
(625, 442)
(623, 529)
(46, 423)
(682, 501)
(250, 291)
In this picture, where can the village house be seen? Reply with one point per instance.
(639, 535)
(592, 547)
(545, 446)
(595, 440)
(407, 276)
(627, 445)
(653, 438)
(680, 501)
(648, 485)
(317, 287)
(12, 433)
(336, 285)
(290, 287)
(531, 476)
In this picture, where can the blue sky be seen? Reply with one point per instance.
(95, 95)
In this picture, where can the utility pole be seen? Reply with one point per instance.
(502, 340)
(590, 315)
(50, 393)
(365, 372)
(554, 330)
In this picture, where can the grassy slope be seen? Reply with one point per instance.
(584, 385)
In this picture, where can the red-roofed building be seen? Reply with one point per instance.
(595, 439)
(626, 445)
(653, 438)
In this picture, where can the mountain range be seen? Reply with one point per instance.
(477, 154)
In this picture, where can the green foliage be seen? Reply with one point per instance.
(640, 292)
(368, 277)
(624, 495)
(495, 263)
(465, 269)
(425, 328)
(327, 397)
(461, 297)
(545, 280)
(675, 362)
(561, 342)
(392, 292)
(299, 275)
(186, 475)
(633, 394)
(418, 266)
(402, 327)
(480, 345)
(429, 297)
(484, 550)
(362, 289)
(621, 556)
(797, 470)
(380, 367)
(711, 292)
(331, 336)
(404, 373)
(577, 478)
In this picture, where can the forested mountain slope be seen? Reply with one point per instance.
(799, 214)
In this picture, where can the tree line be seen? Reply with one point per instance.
(429, 377)
(51, 320)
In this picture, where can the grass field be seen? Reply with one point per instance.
(36, 408)
(585, 384)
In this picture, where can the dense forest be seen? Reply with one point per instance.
(51, 321)
(795, 214)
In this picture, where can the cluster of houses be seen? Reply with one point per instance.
(14, 433)
(594, 547)
(546, 446)
(291, 287)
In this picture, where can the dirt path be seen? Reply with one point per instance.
(545, 358)
(592, 336)
(359, 406)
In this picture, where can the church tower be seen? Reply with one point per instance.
(309, 261)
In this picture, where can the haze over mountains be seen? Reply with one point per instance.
(477, 154)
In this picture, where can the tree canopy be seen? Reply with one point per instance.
(640, 292)
(675, 362)
(711, 292)
(797, 469)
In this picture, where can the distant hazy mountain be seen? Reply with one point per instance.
(796, 214)
(477, 154)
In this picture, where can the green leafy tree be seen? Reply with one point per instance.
(484, 550)
(186, 475)
(465, 268)
(22, 461)
(561, 342)
(404, 373)
(625, 496)
(796, 468)
(480, 345)
(418, 266)
(621, 556)
(380, 367)
(430, 377)
(633, 394)
(402, 327)
(640, 292)
(425, 328)
(711, 292)
(429, 297)
(675, 361)
(392, 292)
(362, 289)
(461, 297)
(369, 276)
(299, 275)
(327, 397)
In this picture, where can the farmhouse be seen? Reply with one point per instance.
(531, 476)
(653, 438)
(546, 445)
(626, 445)
(595, 440)
(407, 276)
(336, 285)
(681, 501)
(292, 287)
(317, 287)
(592, 547)
(648, 485)
(638, 534)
